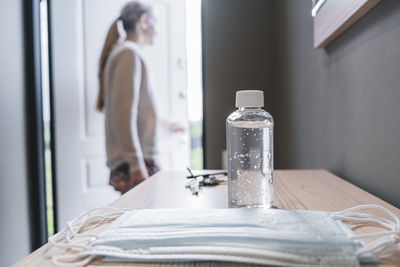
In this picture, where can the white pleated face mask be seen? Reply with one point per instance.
(259, 236)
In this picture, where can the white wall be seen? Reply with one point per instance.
(14, 216)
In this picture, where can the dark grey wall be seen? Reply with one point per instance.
(338, 108)
(236, 50)
(14, 224)
(335, 108)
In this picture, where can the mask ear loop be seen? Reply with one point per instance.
(388, 241)
(71, 260)
(73, 236)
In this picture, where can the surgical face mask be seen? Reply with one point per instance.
(258, 236)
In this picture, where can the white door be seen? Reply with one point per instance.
(78, 30)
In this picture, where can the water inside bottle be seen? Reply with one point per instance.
(250, 166)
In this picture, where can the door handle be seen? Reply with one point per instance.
(181, 63)
(182, 95)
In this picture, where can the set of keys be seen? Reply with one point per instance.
(204, 178)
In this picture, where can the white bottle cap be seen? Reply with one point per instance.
(249, 98)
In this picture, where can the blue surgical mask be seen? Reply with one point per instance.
(258, 236)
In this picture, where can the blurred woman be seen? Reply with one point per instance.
(126, 96)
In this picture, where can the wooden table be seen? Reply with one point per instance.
(294, 189)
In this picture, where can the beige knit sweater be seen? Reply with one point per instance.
(130, 112)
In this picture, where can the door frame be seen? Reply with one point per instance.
(52, 120)
(34, 124)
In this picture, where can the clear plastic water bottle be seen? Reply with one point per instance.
(249, 135)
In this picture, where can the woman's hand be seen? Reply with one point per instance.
(176, 127)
